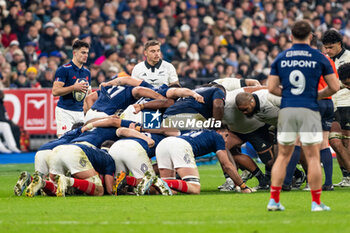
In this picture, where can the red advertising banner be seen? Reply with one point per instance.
(33, 109)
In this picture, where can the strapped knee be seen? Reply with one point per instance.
(192, 180)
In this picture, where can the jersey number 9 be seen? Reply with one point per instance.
(297, 79)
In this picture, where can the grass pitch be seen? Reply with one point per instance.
(212, 211)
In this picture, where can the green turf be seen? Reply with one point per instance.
(211, 211)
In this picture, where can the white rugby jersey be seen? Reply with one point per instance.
(342, 97)
(230, 84)
(235, 119)
(162, 73)
(267, 107)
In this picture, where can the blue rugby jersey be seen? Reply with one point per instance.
(204, 141)
(299, 69)
(97, 136)
(190, 105)
(69, 73)
(65, 139)
(102, 162)
(113, 98)
(150, 151)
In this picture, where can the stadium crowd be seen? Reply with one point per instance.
(204, 40)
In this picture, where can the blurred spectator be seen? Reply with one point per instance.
(30, 53)
(32, 74)
(111, 61)
(128, 68)
(181, 53)
(47, 39)
(47, 78)
(7, 35)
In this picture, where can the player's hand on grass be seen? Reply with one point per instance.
(199, 98)
(81, 86)
(246, 190)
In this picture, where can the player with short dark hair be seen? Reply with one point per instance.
(70, 77)
(295, 75)
(339, 137)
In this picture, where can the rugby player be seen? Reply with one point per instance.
(339, 137)
(298, 70)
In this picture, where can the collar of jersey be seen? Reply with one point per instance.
(74, 66)
(339, 54)
(148, 66)
(257, 103)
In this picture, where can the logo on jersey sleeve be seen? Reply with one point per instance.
(152, 119)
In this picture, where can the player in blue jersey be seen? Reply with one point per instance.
(112, 98)
(177, 155)
(68, 79)
(84, 163)
(133, 154)
(213, 106)
(172, 93)
(41, 158)
(298, 70)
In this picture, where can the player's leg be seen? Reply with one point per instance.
(64, 120)
(335, 140)
(174, 153)
(311, 138)
(41, 162)
(286, 136)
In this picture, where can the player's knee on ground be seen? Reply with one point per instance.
(41, 161)
(193, 183)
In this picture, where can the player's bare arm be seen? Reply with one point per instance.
(123, 81)
(175, 93)
(251, 89)
(89, 101)
(154, 104)
(273, 85)
(332, 88)
(218, 109)
(104, 122)
(109, 180)
(139, 92)
(132, 133)
(58, 88)
(230, 168)
(252, 82)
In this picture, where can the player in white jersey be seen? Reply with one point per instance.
(154, 70)
(231, 84)
(339, 137)
(245, 129)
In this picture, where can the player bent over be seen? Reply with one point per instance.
(299, 114)
(133, 154)
(177, 154)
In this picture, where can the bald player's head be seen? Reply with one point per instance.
(245, 103)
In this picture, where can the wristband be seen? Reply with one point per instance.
(142, 106)
(138, 128)
(243, 186)
(89, 126)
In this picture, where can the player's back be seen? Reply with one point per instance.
(190, 105)
(102, 162)
(65, 139)
(112, 98)
(97, 136)
(204, 141)
(300, 69)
